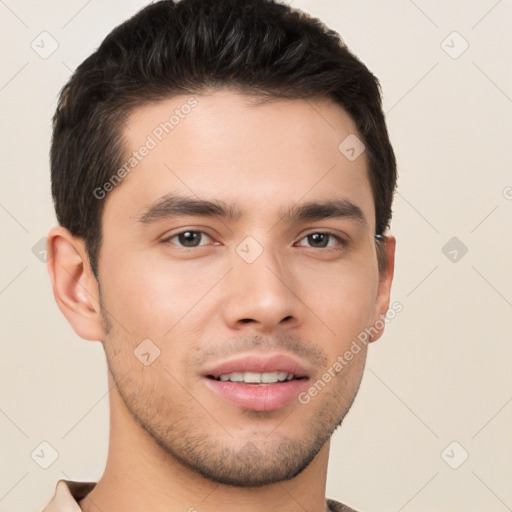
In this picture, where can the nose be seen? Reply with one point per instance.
(261, 294)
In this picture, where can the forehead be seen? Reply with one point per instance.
(252, 156)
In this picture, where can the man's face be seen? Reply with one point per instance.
(256, 295)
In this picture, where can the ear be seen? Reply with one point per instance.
(384, 290)
(74, 286)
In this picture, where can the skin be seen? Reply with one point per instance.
(174, 444)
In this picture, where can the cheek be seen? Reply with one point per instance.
(344, 298)
(153, 296)
(150, 297)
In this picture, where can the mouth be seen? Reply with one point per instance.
(258, 382)
(256, 378)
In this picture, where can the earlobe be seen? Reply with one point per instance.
(384, 290)
(74, 286)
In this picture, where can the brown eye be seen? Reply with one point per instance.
(189, 238)
(321, 240)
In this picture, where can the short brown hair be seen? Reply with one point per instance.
(259, 47)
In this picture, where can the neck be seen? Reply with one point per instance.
(140, 475)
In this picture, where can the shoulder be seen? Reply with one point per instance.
(67, 494)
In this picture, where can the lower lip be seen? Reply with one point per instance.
(254, 397)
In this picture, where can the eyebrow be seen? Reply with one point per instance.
(327, 209)
(175, 206)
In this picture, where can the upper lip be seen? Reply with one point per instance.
(258, 363)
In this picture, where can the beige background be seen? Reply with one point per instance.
(441, 373)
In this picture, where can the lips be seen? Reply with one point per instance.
(257, 382)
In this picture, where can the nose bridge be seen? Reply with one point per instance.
(260, 287)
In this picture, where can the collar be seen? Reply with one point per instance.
(69, 492)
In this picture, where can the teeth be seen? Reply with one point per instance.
(256, 378)
(252, 378)
(269, 377)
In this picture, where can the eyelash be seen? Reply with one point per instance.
(342, 243)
